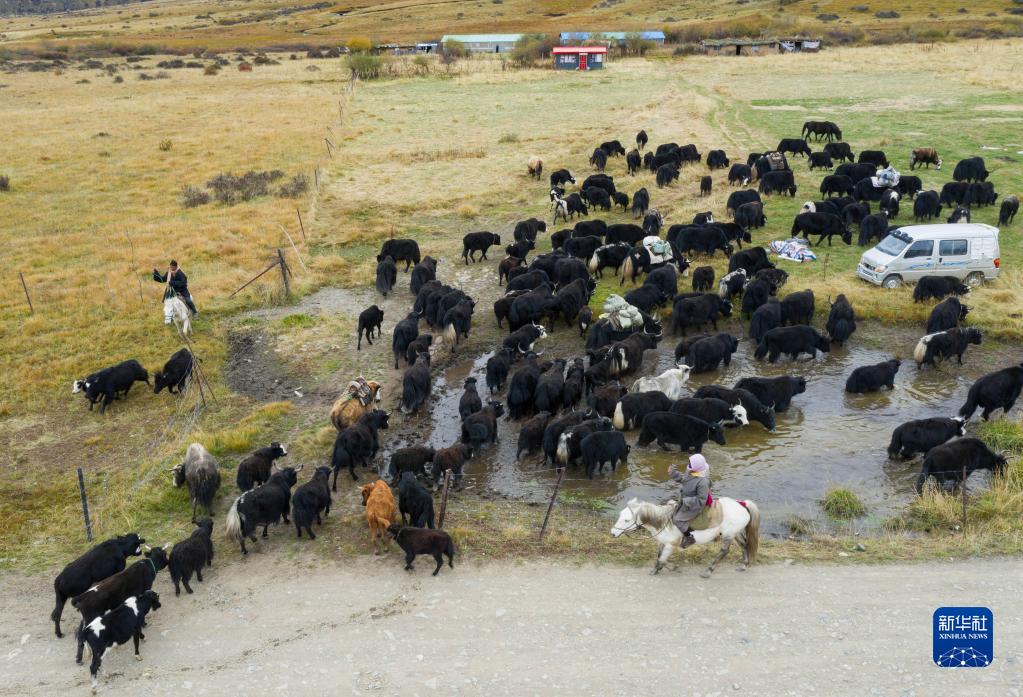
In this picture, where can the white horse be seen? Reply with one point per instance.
(175, 310)
(728, 519)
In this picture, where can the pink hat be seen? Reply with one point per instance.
(697, 463)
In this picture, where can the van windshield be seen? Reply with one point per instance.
(892, 246)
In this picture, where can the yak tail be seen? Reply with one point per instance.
(971, 406)
(920, 352)
(752, 531)
(626, 270)
(451, 335)
(561, 455)
(234, 522)
(450, 551)
(594, 262)
(761, 348)
(895, 445)
(618, 421)
(335, 418)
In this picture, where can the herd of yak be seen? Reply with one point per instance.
(575, 410)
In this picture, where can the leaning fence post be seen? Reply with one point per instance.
(24, 287)
(85, 505)
(550, 506)
(444, 498)
(300, 224)
(963, 487)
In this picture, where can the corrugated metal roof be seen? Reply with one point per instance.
(481, 38)
(617, 35)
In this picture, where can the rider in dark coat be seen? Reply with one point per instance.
(693, 496)
(177, 282)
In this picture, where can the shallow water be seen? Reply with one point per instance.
(826, 438)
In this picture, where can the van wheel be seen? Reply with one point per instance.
(892, 281)
(975, 279)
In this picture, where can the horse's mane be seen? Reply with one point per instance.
(651, 514)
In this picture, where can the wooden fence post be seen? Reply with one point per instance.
(284, 272)
(31, 310)
(85, 505)
(300, 224)
(550, 506)
(444, 499)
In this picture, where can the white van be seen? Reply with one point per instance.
(967, 251)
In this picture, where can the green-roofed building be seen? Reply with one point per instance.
(484, 43)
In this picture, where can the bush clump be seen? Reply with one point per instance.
(193, 196)
(359, 44)
(5, 182)
(365, 66)
(229, 189)
(842, 503)
(166, 145)
(294, 187)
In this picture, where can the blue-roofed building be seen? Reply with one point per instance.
(484, 43)
(618, 37)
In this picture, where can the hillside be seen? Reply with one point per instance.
(231, 24)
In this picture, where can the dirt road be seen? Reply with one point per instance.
(272, 627)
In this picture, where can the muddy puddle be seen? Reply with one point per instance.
(827, 437)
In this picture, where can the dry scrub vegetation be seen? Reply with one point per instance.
(190, 24)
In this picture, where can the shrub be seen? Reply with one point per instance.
(118, 80)
(365, 66)
(452, 51)
(193, 196)
(211, 69)
(359, 44)
(636, 45)
(244, 67)
(509, 138)
(467, 210)
(165, 145)
(839, 502)
(314, 53)
(531, 48)
(5, 182)
(229, 189)
(294, 187)
(887, 14)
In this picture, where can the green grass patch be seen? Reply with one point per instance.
(839, 502)
(297, 321)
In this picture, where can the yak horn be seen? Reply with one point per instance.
(299, 468)
(166, 547)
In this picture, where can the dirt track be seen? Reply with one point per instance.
(503, 629)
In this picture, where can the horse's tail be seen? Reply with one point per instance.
(752, 531)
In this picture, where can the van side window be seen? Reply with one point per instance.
(952, 248)
(920, 248)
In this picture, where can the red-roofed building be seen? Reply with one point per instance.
(579, 57)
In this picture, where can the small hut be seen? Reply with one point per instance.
(579, 57)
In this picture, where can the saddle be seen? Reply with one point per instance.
(776, 160)
(710, 517)
(359, 389)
